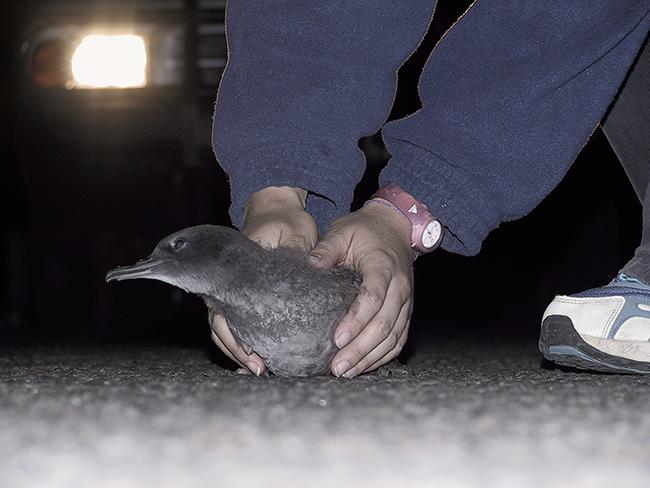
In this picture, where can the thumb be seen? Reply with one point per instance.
(329, 251)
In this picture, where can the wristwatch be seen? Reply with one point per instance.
(426, 230)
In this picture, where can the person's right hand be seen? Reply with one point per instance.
(376, 242)
(275, 216)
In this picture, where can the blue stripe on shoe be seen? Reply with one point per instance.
(633, 291)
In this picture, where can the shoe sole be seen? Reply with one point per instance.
(560, 343)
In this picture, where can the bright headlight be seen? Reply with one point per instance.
(102, 61)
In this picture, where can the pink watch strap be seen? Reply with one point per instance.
(426, 230)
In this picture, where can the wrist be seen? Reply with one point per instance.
(389, 213)
(426, 230)
(276, 198)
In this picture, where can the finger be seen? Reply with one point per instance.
(217, 341)
(250, 361)
(371, 345)
(369, 300)
(223, 348)
(329, 251)
(379, 328)
(222, 331)
(393, 354)
(388, 349)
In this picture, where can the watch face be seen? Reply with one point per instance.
(431, 234)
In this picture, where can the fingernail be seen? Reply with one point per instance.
(254, 367)
(342, 339)
(314, 257)
(341, 367)
(351, 373)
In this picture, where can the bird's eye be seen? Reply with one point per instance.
(178, 244)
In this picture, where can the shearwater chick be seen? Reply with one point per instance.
(276, 303)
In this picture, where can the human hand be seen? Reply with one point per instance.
(376, 242)
(275, 216)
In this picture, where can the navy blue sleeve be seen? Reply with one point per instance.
(509, 98)
(305, 80)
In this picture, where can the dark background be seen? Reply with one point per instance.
(91, 180)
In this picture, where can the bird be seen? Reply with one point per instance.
(275, 301)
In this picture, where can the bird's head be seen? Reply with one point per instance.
(194, 259)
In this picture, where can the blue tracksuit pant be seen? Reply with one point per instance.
(509, 97)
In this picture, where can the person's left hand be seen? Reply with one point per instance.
(375, 241)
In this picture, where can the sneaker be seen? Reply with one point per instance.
(603, 329)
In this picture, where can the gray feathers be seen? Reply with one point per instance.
(276, 303)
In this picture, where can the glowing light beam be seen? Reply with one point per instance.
(115, 61)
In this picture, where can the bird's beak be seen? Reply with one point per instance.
(141, 269)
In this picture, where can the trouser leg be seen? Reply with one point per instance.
(628, 129)
(639, 266)
(509, 98)
(628, 124)
(305, 80)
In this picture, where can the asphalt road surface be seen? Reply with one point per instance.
(459, 416)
